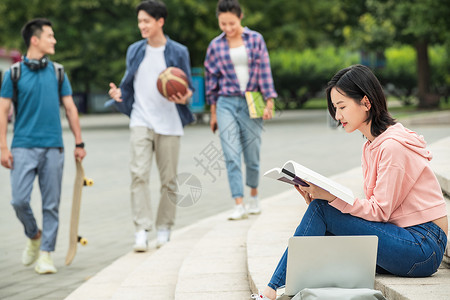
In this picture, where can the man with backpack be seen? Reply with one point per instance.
(37, 86)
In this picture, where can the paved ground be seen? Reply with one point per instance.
(105, 216)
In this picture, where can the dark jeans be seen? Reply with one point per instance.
(414, 251)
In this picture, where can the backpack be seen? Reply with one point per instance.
(334, 293)
(15, 72)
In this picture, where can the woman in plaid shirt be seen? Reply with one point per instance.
(237, 61)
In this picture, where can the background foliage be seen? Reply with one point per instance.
(308, 40)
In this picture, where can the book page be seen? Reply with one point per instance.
(301, 173)
(278, 174)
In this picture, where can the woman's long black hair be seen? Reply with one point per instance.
(356, 82)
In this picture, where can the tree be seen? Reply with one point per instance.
(92, 35)
(299, 25)
(419, 23)
(192, 23)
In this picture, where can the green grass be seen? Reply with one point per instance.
(316, 103)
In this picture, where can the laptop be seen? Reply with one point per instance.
(331, 261)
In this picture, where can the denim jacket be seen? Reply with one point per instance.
(176, 55)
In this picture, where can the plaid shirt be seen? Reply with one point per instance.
(220, 77)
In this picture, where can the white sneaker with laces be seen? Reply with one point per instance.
(253, 206)
(238, 213)
(31, 252)
(141, 243)
(45, 264)
(162, 237)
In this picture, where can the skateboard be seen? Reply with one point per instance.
(74, 238)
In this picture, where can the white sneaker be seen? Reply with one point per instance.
(31, 252)
(253, 206)
(162, 237)
(259, 296)
(45, 264)
(238, 213)
(141, 243)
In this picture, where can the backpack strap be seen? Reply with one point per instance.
(15, 76)
(59, 71)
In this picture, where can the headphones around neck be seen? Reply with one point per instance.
(36, 64)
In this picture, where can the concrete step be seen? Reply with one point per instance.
(216, 267)
(446, 259)
(148, 275)
(104, 284)
(441, 163)
(441, 168)
(436, 287)
(268, 237)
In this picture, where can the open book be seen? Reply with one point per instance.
(296, 174)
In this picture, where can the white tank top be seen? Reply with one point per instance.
(240, 61)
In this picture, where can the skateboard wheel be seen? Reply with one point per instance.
(82, 241)
(88, 182)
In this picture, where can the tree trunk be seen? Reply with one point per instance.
(426, 100)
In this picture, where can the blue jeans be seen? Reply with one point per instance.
(47, 164)
(414, 251)
(239, 134)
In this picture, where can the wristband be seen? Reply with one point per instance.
(80, 145)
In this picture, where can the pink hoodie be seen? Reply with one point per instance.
(399, 185)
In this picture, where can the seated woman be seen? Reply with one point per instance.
(404, 205)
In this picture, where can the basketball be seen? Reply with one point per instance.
(172, 81)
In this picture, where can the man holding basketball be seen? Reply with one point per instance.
(156, 123)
